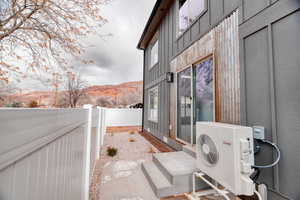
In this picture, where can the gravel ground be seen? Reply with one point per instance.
(120, 177)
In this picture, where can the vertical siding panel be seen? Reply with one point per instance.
(170, 44)
(20, 180)
(6, 183)
(228, 69)
(174, 27)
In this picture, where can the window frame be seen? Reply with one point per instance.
(150, 117)
(154, 41)
(178, 34)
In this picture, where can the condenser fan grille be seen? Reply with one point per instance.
(208, 150)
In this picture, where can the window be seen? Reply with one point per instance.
(153, 104)
(189, 10)
(154, 54)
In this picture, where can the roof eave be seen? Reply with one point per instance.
(153, 21)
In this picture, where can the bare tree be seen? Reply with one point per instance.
(75, 89)
(41, 34)
(5, 91)
(131, 97)
(104, 101)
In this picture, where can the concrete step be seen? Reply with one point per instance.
(178, 166)
(158, 182)
(171, 173)
(191, 150)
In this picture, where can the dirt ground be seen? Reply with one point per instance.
(121, 177)
(113, 176)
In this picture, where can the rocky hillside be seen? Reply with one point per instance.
(122, 94)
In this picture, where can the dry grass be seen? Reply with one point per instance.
(131, 140)
(151, 150)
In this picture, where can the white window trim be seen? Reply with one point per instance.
(150, 118)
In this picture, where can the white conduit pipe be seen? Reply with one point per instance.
(221, 192)
(258, 195)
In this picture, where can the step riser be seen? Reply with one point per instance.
(164, 192)
(189, 151)
(179, 183)
(163, 169)
(154, 189)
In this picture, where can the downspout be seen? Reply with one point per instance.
(143, 116)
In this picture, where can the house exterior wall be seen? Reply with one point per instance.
(269, 49)
(269, 78)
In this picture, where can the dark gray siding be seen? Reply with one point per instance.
(169, 46)
(270, 60)
(270, 86)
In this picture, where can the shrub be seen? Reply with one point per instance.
(112, 151)
(33, 104)
(132, 132)
(131, 140)
(15, 105)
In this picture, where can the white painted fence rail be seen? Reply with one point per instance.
(50, 154)
(123, 117)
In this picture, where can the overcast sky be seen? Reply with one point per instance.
(116, 58)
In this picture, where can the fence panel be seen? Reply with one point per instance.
(51, 153)
(123, 117)
(41, 153)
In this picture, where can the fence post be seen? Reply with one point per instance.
(98, 136)
(87, 154)
(103, 125)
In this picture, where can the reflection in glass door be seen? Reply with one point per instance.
(195, 93)
(203, 92)
(184, 110)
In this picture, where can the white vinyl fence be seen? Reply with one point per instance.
(44, 153)
(123, 117)
(50, 154)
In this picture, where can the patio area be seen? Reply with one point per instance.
(120, 177)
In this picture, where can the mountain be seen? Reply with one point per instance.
(116, 95)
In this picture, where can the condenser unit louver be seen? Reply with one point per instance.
(225, 153)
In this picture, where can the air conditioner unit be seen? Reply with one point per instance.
(225, 154)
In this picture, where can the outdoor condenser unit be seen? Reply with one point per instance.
(225, 154)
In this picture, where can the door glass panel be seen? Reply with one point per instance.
(204, 101)
(184, 105)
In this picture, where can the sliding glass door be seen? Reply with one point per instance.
(184, 99)
(195, 97)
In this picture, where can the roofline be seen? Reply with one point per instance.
(154, 13)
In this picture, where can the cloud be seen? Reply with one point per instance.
(115, 57)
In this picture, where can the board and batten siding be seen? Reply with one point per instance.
(269, 60)
(269, 48)
(170, 46)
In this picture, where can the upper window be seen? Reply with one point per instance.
(189, 10)
(154, 54)
(153, 104)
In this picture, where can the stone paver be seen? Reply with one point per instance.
(120, 177)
